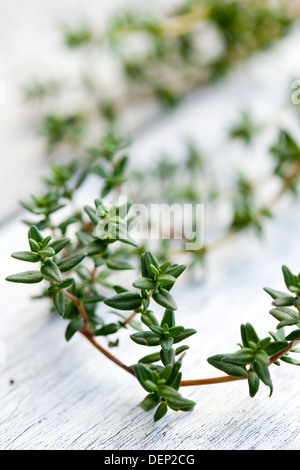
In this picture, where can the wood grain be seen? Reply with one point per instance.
(58, 395)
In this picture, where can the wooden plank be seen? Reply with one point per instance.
(66, 396)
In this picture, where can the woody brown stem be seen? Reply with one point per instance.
(229, 378)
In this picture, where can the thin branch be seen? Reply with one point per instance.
(229, 378)
(89, 335)
(106, 353)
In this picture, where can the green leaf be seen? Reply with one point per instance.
(94, 299)
(118, 264)
(108, 329)
(284, 313)
(59, 300)
(288, 276)
(165, 299)
(72, 328)
(284, 301)
(148, 318)
(28, 277)
(51, 271)
(166, 343)
(59, 245)
(293, 335)
(242, 357)
(66, 283)
(175, 400)
(161, 411)
(144, 269)
(145, 338)
(150, 402)
(230, 369)
(168, 318)
(166, 279)
(165, 373)
(290, 360)
(125, 301)
(150, 259)
(35, 234)
(276, 347)
(176, 270)
(47, 253)
(167, 356)
(184, 334)
(26, 256)
(262, 370)
(181, 349)
(251, 333)
(144, 283)
(284, 323)
(274, 293)
(262, 357)
(143, 375)
(253, 382)
(150, 358)
(66, 264)
(175, 331)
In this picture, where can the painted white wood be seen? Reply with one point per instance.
(58, 395)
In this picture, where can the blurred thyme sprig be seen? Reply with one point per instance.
(169, 62)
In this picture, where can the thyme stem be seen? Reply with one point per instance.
(229, 378)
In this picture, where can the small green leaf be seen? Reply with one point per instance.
(293, 335)
(274, 293)
(144, 375)
(35, 234)
(166, 343)
(290, 360)
(94, 299)
(262, 370)
(175, 400)
(284, 313)
(59, 300)
(144, 283)
(230, 369)
(242, 357)
(150, 402)
(276, 347)
(72, 328)
(253, 382)
(161, 411)
(165, 299)
(181, 349)
(47, 252)
(51, 271)
(284, 323)
(26, 256)
(59, 245)
(66, 264)
(144, 269)
(167, 356)
(125, 301)
(28, 277)
(150, 358)
(288, 276)
(106, 330)
(145, 338)
(284, 301)
(118, 264)
(175, 331)
(184, 334)
(168, 318)
(166, 279)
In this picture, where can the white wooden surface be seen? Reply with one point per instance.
(57, 395)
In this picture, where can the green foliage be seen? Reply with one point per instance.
(255, 355)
